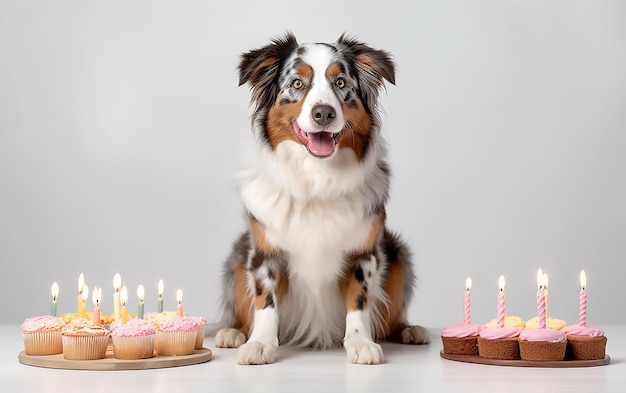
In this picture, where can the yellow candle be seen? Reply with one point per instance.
(117, 284)
(179, 299)
(82, 308)
(124, 299)
(81, 286)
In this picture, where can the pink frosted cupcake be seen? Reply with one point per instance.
(157, 318)
(201, 323)
(461, 339)
(42, 335)
(499, 343)
(176, 336)
(542, 345)
(585, 343)
(133, 340)
(84, 340)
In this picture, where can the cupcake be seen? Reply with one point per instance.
(176, 336)
(84, 340)
(201, 323)
(134, 339)
(461, 339)
(499, 343)
(551, 323)
(542, 344)
(585, 343)
(157, 318)
(42, 335)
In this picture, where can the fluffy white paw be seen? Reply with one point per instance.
(229, 338)
(363, 351)
(415, 335)
(254, 352)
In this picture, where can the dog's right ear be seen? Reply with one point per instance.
(261, 67)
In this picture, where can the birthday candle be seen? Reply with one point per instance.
(82, 311)
(179, 299)
(467, 301)
(97, 295)
(541, 300)
(81, 287)
(55, 294)
(140, 295)
(501, 303)
(124, 299)
(160, 300)
(117, 283)
(582, 311)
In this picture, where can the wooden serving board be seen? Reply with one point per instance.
(111, 363)
(527, 363)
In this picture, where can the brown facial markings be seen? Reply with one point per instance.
(368, 62)
(279, 126)
(333, 70)
(357, 130)
(304, 71)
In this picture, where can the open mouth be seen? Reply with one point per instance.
(320, 143)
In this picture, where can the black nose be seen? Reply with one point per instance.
(323, 114)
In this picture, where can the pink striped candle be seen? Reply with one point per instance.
(467, 301)
(541, 300)
(501, 303)
(582, 310)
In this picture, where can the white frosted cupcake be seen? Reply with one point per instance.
(134, 340)
(42, 335)
(84, 340)
(176, 337)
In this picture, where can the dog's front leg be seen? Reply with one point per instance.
(263, 341)
(358, 340)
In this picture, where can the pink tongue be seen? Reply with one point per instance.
(321, 143)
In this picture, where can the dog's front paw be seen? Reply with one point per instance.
(362, 350)
(229, 338)
(415, 335)
(254, 352)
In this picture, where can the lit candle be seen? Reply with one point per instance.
(55, 294)
(140, 295)
(82, 311)
(160, 300)
(124, 299)
(582, 311)
(501, 303)
(179, 299)
(541, 300)
(81, 286)
(97, 295)
(545, 292)
(117, 284)
(467, 301)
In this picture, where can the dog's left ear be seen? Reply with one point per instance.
(260, 68)
(372, 66)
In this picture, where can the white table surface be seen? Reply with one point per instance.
(407, 368)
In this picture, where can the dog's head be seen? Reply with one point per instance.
(322, 96)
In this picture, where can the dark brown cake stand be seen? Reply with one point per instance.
(527, 363)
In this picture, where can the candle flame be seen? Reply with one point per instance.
(539, 278)
(583, 279)
(96, 296)
(140, 292)
(117, 282)
(124, 295)
(501, 283)
(160, 287)
(81, 283)
(85, 294)
(55, 290)
(468, 283)
(179, 296)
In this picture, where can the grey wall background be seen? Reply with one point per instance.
(121, 126)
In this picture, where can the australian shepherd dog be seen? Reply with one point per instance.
(317, 265)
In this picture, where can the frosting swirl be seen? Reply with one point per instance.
(547, 335)
(44, 322)
(578, 330)
(461, 330)
(498, 333)
(179, 324)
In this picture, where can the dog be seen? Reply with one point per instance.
(317, 266)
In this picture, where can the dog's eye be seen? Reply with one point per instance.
(297, 84)
(340, 83)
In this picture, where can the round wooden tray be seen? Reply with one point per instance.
(111, 363)
(527, 363)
